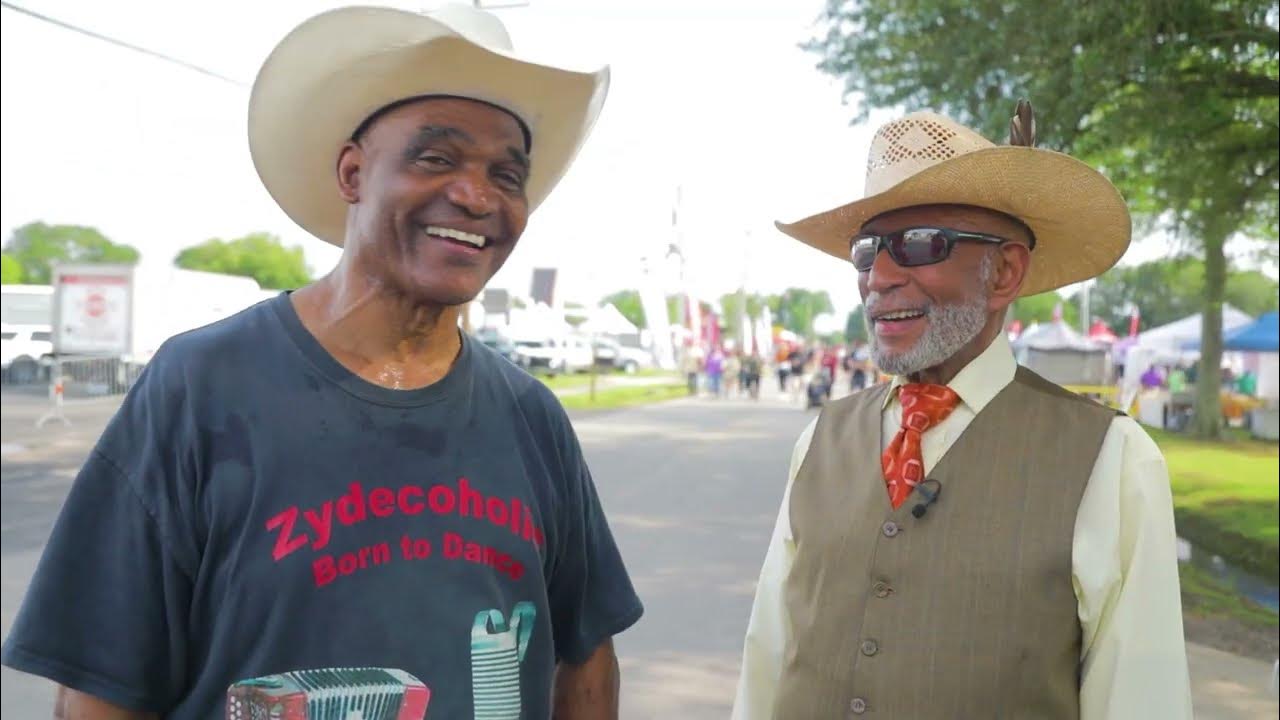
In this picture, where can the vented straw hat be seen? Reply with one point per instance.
(1081, 224)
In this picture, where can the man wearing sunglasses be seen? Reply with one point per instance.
(968, 540)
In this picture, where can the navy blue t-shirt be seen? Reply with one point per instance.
(255, 508)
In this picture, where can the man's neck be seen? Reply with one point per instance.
(379, 334)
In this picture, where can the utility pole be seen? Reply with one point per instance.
(1085, 320)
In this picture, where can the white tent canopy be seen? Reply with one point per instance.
(538, 322)
(608, 320)
(1056, 336)
(1062, 355)
(1171, 338)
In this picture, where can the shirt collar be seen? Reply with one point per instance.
(979, 381)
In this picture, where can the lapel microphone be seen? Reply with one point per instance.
(929, 490)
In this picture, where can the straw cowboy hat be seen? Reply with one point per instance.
(337, 69)
(1081, 224)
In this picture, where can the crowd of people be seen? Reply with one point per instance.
(812, 371)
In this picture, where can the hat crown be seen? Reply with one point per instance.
(480, 27)
(906, 146)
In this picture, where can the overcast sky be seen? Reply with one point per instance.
(713, 96)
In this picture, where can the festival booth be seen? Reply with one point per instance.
(1167, 345)
(1258, 344)
(1061, 355)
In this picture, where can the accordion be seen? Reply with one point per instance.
(330, 694)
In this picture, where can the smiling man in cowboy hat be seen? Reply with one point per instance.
(969, 540)
(338, 478)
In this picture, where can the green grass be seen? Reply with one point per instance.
(567, 381)
(581, 380)
(1202, 596)
(1226, 498)
(617, 397)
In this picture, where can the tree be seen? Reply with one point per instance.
(10, 270)
(37, 246)
(1252, 292)
(1040, 309)
(628, 303)
(732, 306)
(675, 309)
(855, 325)
(796, 308)
(1125, 86)
(1171, 289)
(260, 256)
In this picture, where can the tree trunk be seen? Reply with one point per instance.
(1209, 378)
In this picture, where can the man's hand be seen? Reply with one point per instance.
(75, 705)
(588, 691)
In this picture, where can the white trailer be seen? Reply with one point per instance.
(128, 312)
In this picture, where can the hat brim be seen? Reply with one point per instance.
(1080, 221)
(338, 68)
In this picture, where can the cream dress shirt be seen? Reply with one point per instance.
(1123, 558)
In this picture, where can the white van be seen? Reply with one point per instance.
(567, 354)
(26, 337)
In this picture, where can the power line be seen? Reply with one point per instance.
(121, 43)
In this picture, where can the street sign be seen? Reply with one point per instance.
(92, 306)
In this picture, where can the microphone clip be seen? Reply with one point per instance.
(929, 490)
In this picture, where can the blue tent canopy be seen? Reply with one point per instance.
(1261, 335)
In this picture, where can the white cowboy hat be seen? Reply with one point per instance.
(1081, 224)
(337, 69)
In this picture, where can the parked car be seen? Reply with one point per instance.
(25, 352)
(612, 354)
(499, 343)
(555, 355)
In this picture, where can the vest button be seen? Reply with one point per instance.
(881, 589)
(890, 528)
(870, 647)
(858, 706)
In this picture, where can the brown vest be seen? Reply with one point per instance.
(965, 612)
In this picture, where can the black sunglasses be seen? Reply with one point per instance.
(912, 247)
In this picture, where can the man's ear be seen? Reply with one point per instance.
(350, 162)
(1012, 261)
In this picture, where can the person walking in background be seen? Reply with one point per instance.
(732, 374)
(783, 364)
(715, 371)
(830, 361)
(691, 365)
(798, 358)
(751, 369)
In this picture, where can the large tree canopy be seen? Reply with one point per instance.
(628, 303)
(1175, 100)
(1168, 290)
(260, 256)
(37, 246)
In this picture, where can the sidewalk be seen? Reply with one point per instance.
(22, 410)
(1229, 687)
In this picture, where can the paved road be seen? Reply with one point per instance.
(692, 489)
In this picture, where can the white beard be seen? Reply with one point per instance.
(950, 328)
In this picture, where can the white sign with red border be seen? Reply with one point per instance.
(93, 305)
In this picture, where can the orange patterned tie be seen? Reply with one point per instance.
(923, 406)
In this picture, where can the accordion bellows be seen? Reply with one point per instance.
(330, 694)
